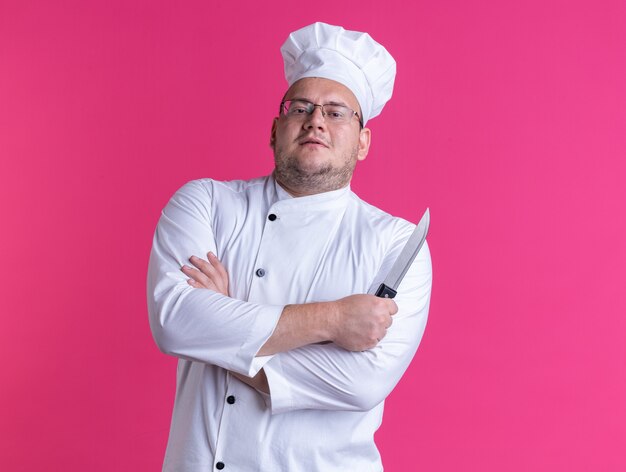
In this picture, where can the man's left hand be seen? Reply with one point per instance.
(212, 274)
(209, 273)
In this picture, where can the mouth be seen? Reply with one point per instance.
(312, 141)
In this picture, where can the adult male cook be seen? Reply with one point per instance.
(285, 360)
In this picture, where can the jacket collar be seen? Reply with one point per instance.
(318, 202)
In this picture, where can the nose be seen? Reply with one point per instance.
(315, 119)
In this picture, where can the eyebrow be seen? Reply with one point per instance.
(332, 102)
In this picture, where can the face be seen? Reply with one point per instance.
(313, 155)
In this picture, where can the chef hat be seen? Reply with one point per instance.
(351, 58)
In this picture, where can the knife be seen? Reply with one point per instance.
(389, 287)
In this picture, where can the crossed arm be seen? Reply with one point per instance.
(243, 337)
(354, 323)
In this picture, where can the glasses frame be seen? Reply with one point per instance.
(283, 110)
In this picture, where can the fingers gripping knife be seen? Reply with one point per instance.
(389, 287)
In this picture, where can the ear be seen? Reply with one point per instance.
(273, 133)
(365, 138)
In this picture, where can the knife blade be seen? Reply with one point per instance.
(389, 287)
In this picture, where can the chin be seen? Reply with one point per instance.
(304, 162)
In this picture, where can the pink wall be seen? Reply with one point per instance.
(508, 120)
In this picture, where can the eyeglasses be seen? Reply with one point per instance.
(333, 113)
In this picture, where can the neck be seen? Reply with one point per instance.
(301, 190)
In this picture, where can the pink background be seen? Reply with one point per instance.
(508, 120)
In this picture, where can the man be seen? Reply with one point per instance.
(284, 358)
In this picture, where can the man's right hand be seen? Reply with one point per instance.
(355, 323)
(359, 322)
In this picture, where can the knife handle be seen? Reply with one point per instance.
(385, 292)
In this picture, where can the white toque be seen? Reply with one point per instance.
(351, 58)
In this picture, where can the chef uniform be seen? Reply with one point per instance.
(325, 403)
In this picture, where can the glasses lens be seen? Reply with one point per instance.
(332, 113)
(337, 113)
(297, 108)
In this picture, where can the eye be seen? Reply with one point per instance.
(335, 112)
(298, 107)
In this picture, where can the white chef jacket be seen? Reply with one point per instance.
(325, 403)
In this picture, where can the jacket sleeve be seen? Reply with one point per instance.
(200, 325)
(328, 377)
